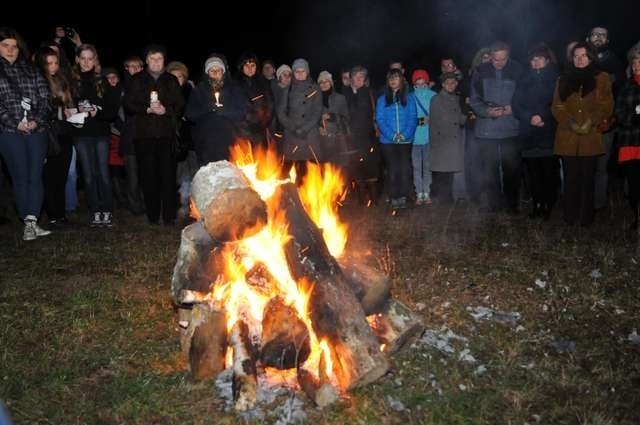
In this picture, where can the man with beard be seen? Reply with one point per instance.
(606, 61)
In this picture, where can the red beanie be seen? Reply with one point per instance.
(418, 74)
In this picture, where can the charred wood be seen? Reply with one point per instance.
(285, 338)
(335, 312)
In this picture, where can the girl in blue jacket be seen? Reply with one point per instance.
(396, 118)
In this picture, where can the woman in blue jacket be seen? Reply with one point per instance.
(396, 118)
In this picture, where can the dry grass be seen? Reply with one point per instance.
(89, 335)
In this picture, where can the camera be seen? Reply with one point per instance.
(69, 32)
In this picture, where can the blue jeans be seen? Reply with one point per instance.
(93, 155)
(71, 188)
(420, 156)
(24, 155)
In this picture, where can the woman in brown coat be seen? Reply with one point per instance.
(582, 101)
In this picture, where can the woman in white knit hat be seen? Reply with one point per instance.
(215, 106)
(334, 123)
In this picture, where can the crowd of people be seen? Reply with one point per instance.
(139, 134)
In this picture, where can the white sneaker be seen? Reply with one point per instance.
(29, 233)
(96, 221)
(32, 230)
(107, 219)
(40, 231)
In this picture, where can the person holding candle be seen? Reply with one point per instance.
(155, 101)
(99, 102)
(215, 107)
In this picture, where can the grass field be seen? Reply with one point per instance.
(88, 333)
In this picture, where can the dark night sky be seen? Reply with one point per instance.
(331, 33)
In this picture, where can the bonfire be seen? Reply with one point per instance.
(266, 284)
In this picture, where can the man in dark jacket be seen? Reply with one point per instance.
(496, 130)
(154, 99)
(607, 61)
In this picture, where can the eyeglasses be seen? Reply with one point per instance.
(599, 34)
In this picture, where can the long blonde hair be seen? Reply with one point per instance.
(98, 81)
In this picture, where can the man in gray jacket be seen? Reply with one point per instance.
(496, 130)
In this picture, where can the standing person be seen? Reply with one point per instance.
(420, 152)
(447, 138)
(259, 101)
(56, 167)
(334, 122)
(473, 174)
(345, 81)
(496, 129)
(608, 62)
(280, 92)
(364, 170)
(154, 99)
(99, 102)
(24, 111)
(397, 119)
(132, 65)
(582, 99)
(216, 106)
(628, 116)
(532, 107)
(300, 113)
(187, 161)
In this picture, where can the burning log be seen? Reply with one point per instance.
(396, 325)
(322, 393)
(335, 312)
(285, 338)
(197, 266)
(370, 286)
(228, 205)
(245, 381)
(205, 340)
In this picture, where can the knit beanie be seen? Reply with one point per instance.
(325, 76)
(300, 63)
(419, 74)
(449, 76)
(214, 62)
(281, 69)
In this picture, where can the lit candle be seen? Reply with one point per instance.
(153, 97)
(217, 96)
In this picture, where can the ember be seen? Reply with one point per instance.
(260, 287)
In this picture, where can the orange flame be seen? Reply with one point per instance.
(322, 190)
(242, 300)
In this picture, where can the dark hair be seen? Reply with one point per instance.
(395, 60)
(270, 62)
(23, 51)
(133, 58)
(61, 90)
(583, 45)
(402, 91)
(247, 57)
(155, 48)
(499, 46)
(541, 50)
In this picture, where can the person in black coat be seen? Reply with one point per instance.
(532, 107)
(155, 101)
(216, 107)
(259, 101)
